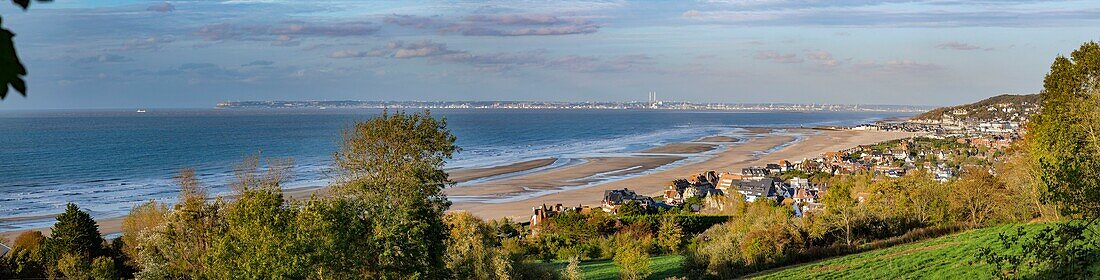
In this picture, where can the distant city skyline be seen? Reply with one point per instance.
(193, 54)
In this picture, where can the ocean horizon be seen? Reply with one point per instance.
(107, 161)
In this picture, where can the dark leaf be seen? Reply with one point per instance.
(20, 86)
(22, 3)
(3, 91)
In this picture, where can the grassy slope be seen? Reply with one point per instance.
(948, 257)
(662, 266)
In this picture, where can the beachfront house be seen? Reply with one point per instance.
(612, 199)
(754, 172)
(754, 189)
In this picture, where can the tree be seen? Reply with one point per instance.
(572, 270)
(140, 219)
(393, 164)
(175, 248)
(977, 196)
(258, 224)
(1064, 146)
(472, 249)
(670, 236)
(841, 210)
(76, 233)
(27, 256)
(630, 208)
(633, 262)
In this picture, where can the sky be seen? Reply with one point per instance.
(193, 54)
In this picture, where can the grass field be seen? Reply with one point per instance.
(948, 257)
(662, 267)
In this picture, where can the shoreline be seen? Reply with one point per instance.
(584, 183)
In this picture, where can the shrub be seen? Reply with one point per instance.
(573, 270)
(633, 262)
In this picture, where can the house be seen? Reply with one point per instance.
(754, 172)
(612, 199)
(753, 189)
(800, 183)
(774, 168)
(785, 166)
(725, 181)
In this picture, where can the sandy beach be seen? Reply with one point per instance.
(748, 153)
(583, 183)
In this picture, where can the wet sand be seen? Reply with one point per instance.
(464, 174)
(734, 157)
(576, 175)
(717, 139)
(681, 148)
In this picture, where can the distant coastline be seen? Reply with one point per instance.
(628, 105)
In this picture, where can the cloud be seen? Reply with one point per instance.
(897, 65)
(593, 64)
(497, 61)
(523, 19)
(960, 47)
(777, 57)
(284, 33)
(413, 21)
(338, 29)
(877, 13)
(347, 54)
(823, 58)
(162, 8)
(258, 63)
(499, 25)
(104, 58)
(149, 43)
(218, 32)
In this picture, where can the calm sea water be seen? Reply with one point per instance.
(108, 161)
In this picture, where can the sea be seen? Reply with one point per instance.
(109, 161)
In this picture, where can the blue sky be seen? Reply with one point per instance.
(154, 54)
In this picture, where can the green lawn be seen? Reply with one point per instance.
(663, 267)
(947, 257)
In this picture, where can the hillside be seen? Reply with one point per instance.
(1006, 107)
(948, 257)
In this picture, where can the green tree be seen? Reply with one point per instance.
(76, 233)
(393, 164)
(472, 249)
(1063, 141)
(27, 256)
(670, 236)
(175, 248)
(258, 224)
(842, 211)
(633, 262)
(572, 270)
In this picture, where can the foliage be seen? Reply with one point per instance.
(670, 236)
(473, 251)
(663, 267)
(11, 69)
(1064, 146)
(573, 270)
(979, 111)
(134, 225)
(76, 233)
(978, 196)
(393, 164)
(946, 257)
(633, 262)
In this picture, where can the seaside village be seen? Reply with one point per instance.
(945, 149)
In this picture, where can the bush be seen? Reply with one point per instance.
(633, 262)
